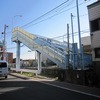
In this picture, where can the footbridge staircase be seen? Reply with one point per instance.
(52, 49)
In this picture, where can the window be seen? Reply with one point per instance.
(95, 25)
(97, 52)
(3, 64)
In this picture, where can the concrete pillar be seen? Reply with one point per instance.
(18, 56)
(39, 62)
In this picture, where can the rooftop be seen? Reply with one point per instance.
(94, 4)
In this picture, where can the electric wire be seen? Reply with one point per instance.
(50, 16)
(57, 13)
(46, 14)
(62, 36)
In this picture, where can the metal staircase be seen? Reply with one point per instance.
(53, 49)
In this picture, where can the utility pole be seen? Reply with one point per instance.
(68, 43)
(79, 33)
(72, 27)
(4, 42)
(73, 49)
(80, 45)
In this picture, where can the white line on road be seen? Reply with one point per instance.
(4, 90)
(97, 96)
(41, 81)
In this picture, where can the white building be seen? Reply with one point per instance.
(94, 19)
(86, 42)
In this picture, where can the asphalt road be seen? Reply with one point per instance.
(15, 88)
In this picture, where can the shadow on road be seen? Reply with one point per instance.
(33, 90)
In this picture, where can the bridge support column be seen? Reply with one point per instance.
(39, 62)
(18, 56)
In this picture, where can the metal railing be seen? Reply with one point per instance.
(39, 43)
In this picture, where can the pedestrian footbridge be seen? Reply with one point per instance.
(54, 50)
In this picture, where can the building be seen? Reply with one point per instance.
(9, 55)
(86, 42)
(94, 20)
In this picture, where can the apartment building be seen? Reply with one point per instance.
(94, 20)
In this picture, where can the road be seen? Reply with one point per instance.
(15, 88)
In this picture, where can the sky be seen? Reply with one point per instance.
(53, 24)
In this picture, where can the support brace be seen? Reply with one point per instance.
(18, 56)
(39, 62)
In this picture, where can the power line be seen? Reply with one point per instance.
(75, 33)
(54, 9)
(45, 14)
(83, 31)
(50, 16)
(71, 2)
(57, 13)
(54, 16)
(42, 15)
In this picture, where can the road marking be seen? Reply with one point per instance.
(41, 81)
(4, 90)
(97, 96)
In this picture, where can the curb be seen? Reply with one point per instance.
(84, 89)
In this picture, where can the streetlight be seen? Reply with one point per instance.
(34, 54)
(18, 46)
(13, 20)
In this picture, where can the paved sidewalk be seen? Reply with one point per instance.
(69, 86)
